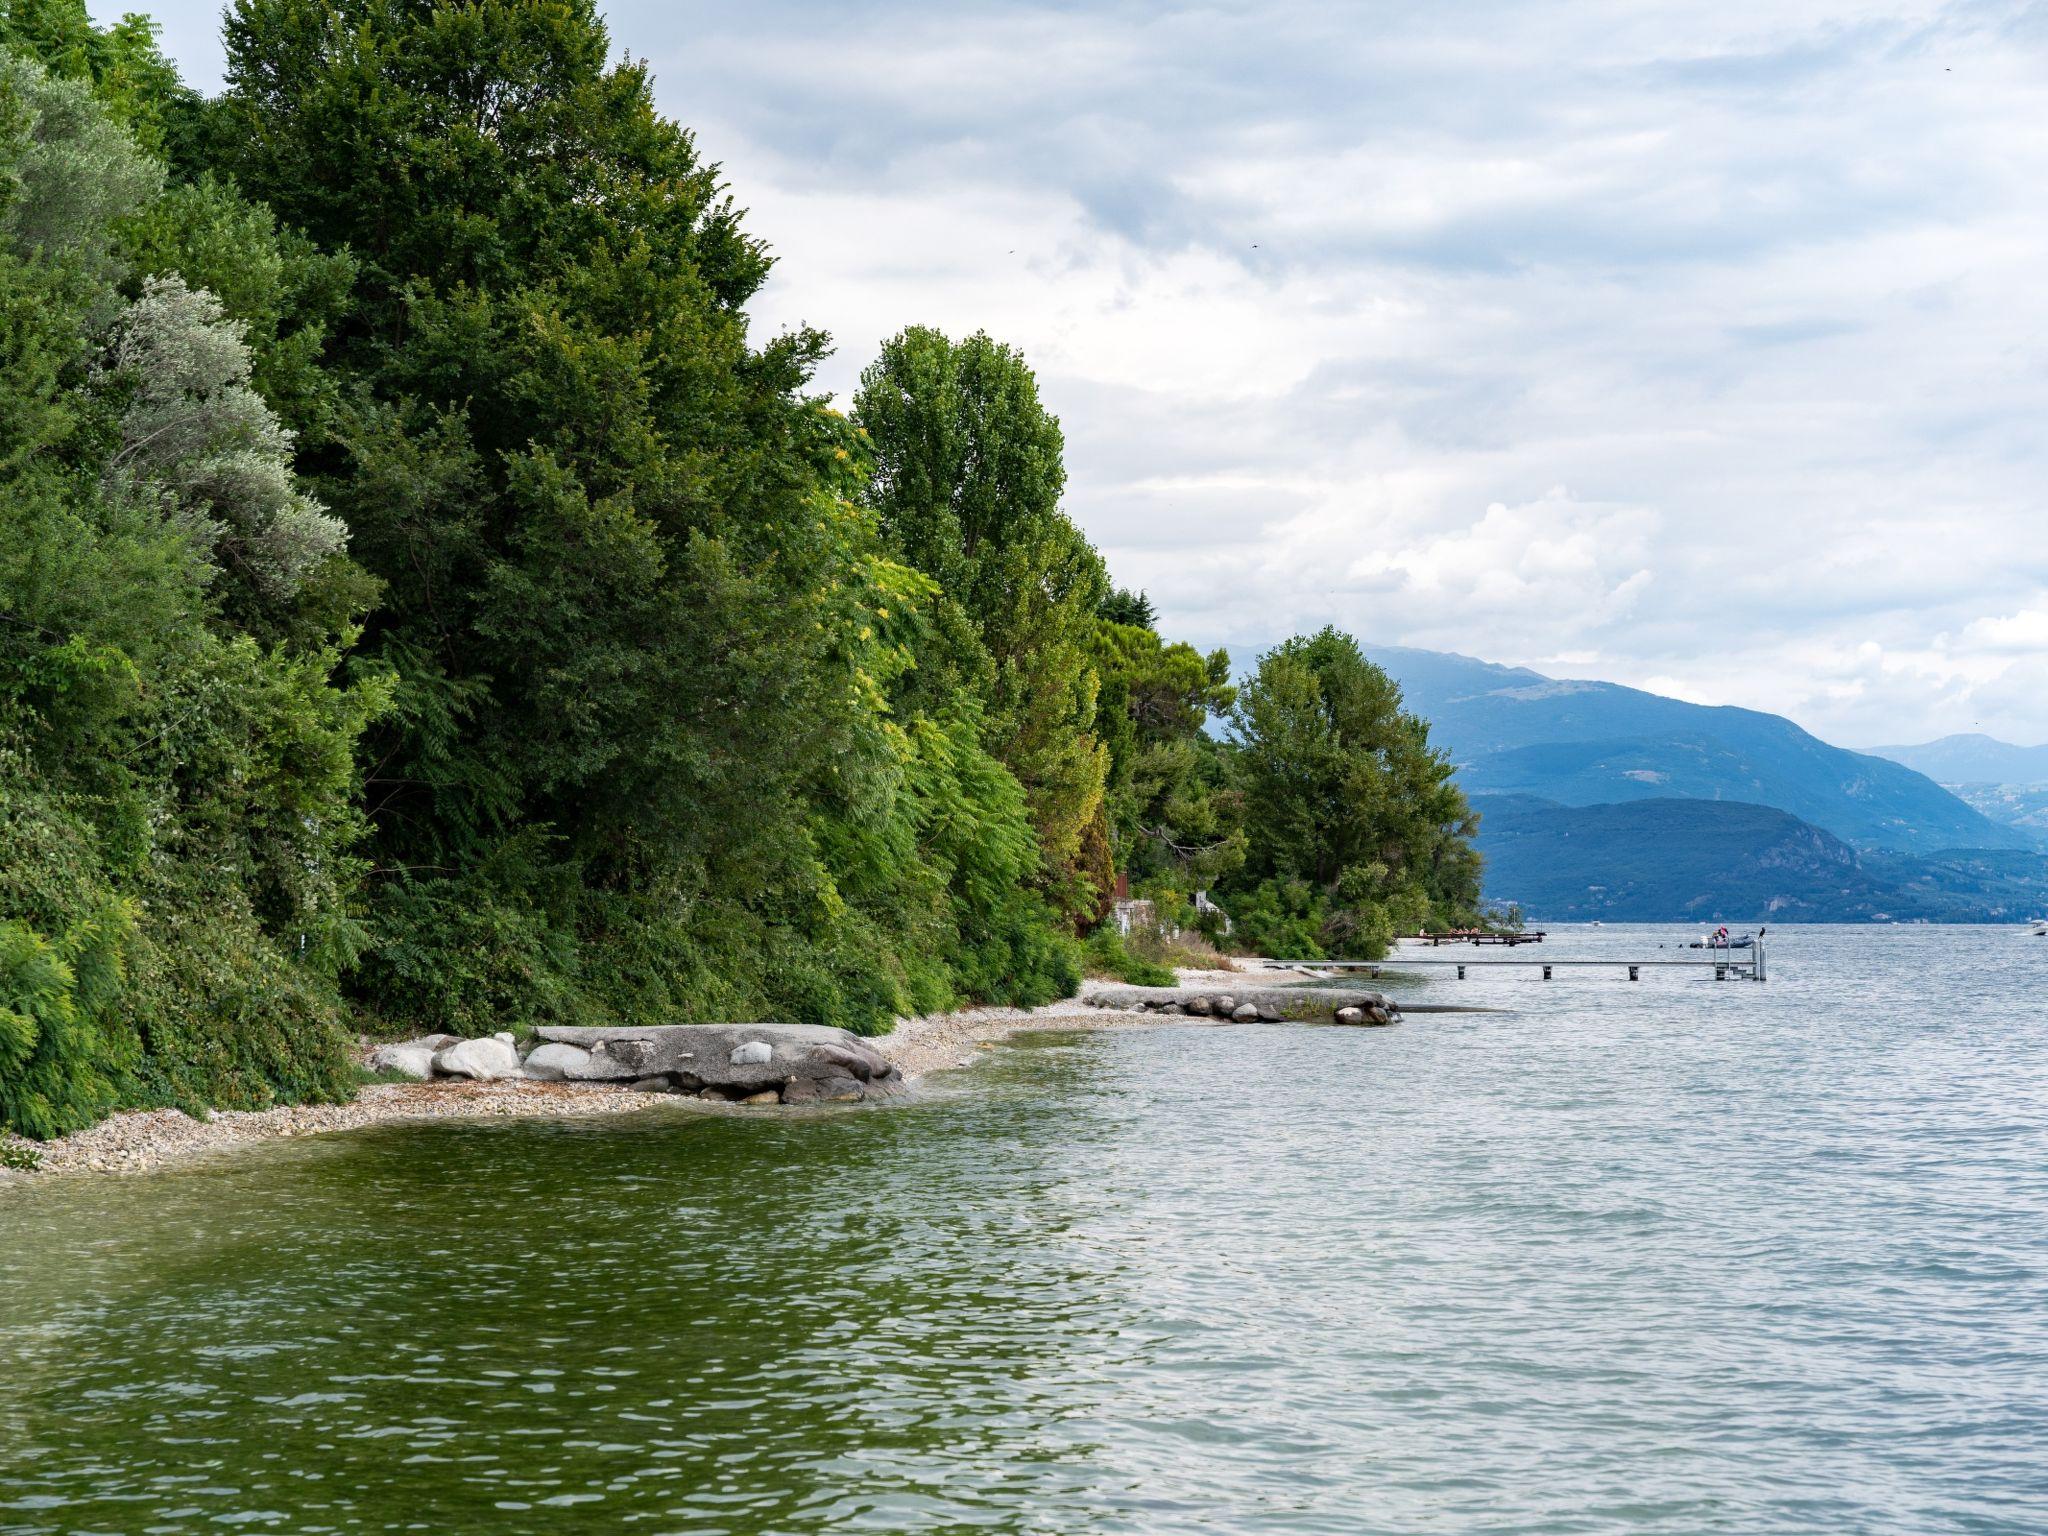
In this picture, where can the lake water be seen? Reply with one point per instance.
(1676, 1257)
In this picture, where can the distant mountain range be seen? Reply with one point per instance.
(2021, 806)
(1598, 800)
(1973, 759)
(1722, 861)
(2007, 783)
(1516, 732)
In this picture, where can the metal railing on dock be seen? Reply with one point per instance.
(1726, 964)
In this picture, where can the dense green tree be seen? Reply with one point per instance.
(1172, 816)
(135, 86)
(967, 478)
(1355, 828)
(417, 588)
(640, 760)
(177, 790)
(1125, 605)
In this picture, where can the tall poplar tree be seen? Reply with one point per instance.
(968, 474)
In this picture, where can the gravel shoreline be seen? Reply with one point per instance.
(139, 1141)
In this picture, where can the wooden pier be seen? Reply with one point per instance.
(1476, 936)
(1725, 964)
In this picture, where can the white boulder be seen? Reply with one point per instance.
(484, 1060)
(410, 1059)
(752, 1054)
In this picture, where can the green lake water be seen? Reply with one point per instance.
(1679, 1257)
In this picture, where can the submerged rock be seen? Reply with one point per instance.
(800, 1063)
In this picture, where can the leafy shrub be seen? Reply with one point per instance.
(1107, 955)
(1279, 918)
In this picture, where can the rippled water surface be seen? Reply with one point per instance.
(1675, 1257)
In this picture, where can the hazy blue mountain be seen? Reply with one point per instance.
(1723, 861)
(1513, 731)
(2016, 805)
(1973, 759)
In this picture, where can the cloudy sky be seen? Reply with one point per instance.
(1701, 346)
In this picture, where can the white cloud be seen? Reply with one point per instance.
(2024, 633)
(1327, 298)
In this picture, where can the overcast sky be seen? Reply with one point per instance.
(1700, 346)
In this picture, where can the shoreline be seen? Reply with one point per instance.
(145, 1140)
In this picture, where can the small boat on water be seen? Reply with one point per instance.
(1724, 940)
(2040, 928)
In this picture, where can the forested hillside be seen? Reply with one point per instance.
(426, 604)
(1722, 861)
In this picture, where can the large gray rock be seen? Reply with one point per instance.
(485, 1060)
(409, 1058)
(804, 1063)
(552, 1061)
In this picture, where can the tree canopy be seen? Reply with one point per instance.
(426, 604)
(1361, 831)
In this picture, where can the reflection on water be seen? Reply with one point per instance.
(1676, 1257)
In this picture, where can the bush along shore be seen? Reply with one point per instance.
(428, 607)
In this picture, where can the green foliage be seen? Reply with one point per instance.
(67, 171)
(1280, 918)
(643, 760)
(1173, 819)
(966, 483)
(1108, 955)
(55, 1065)
(136, 86)
(1356, 830)
(1122, 605)
(178, 783)
(420, 594)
